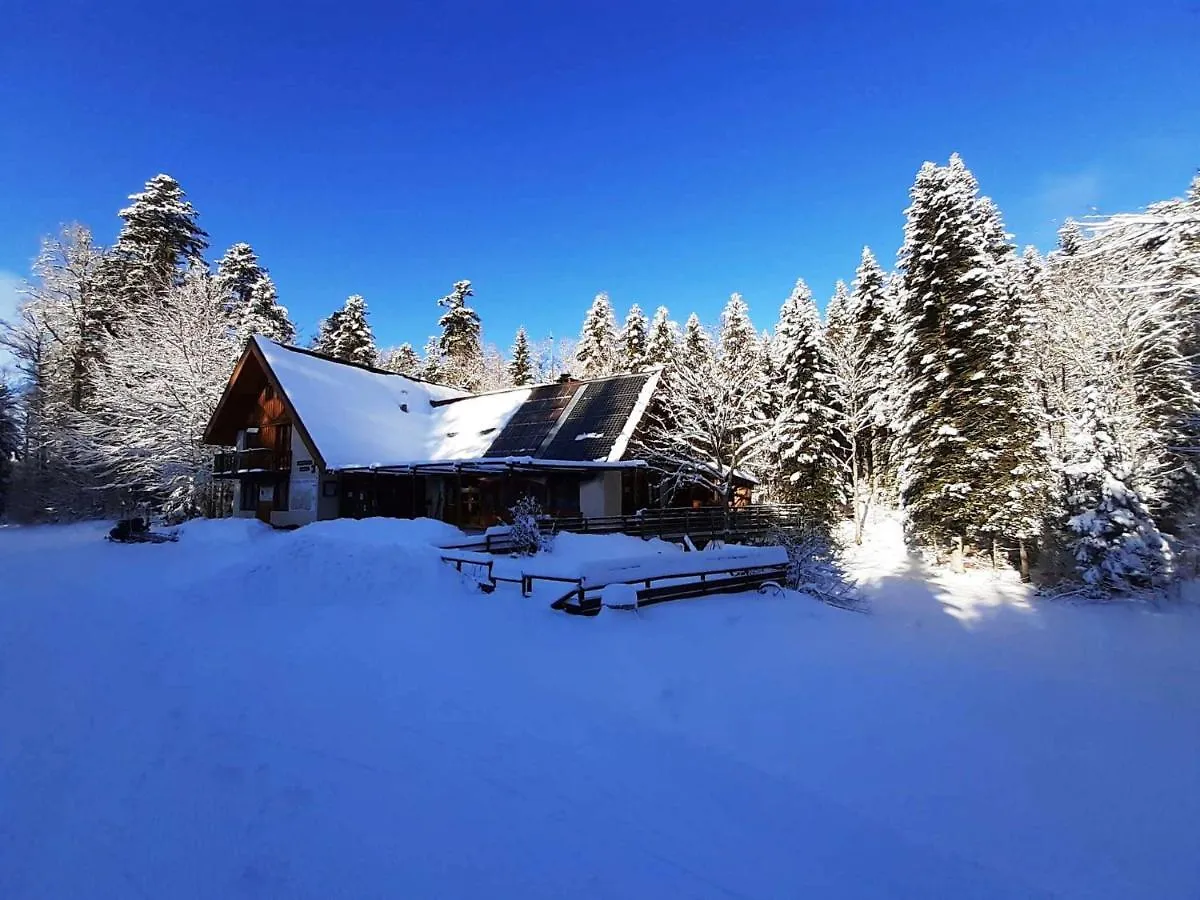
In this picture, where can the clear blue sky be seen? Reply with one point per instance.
(663, 152)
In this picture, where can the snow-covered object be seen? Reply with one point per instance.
(619, 596)
(638, 568)
(596, 352)
(183, 724)
(358, 417)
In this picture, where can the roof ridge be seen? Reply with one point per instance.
(316, 354)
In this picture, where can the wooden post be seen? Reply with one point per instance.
(1024, 551)
(995, 552)
(459, 491)
(956, 555)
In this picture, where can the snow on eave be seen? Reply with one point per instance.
(621, 444)
(496, 463)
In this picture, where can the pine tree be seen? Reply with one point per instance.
(737, 339)
(237, 274)
(597, 348)
(432, 366)
(159, 237)
(459, 344)
(697, 344)
(263, 314)
(1112, 537)
(811, 470)
(403, 360)
(633, 341)
(964, 417)
(520, 366)
(353, 339)
(327, 331)
(663, 341)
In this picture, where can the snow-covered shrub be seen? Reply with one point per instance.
(526, 533)
(814, 565)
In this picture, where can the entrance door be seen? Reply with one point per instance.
(266, 501)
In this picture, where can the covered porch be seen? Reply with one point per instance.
(477, 494)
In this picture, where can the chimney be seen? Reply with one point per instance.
(565, 378)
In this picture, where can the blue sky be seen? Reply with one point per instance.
(664, 152)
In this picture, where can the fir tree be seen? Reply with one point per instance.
(663, 340)
(353, 340)
(597, 348)
(737, 340)
(697, 345)
(403, 360)
(520, 366)
(329, 328)
(811, 471)
(263, 314)
(237, 274)
(158, 237)
(432, 366)
(459, 346)
(959, 423)
(1112, 537)
(633, 340)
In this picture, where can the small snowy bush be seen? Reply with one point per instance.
(527, 519)
(814, 565)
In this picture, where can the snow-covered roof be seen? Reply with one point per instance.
(359, 417)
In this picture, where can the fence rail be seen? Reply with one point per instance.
(673, 523)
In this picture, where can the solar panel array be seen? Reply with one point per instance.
(532, 422)
(596, 419)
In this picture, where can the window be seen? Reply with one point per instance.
(329, 488)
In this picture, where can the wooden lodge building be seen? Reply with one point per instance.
(317, 438)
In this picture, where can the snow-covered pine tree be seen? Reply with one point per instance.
(326, 331)
(697, 345)
(958, 418)
(263, 314)
(353, 339)
(596, 352)
(811, 470)
(237, 273)
(432, 362)
(520, 365)
(737, 339)
(633, 341)
(403, 360)
(459, 343)
(159, 236)
(662, 343)
(1111, 535)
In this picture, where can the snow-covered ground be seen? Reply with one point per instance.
(334, 713)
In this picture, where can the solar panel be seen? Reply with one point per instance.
(533, 420)
(596, 419)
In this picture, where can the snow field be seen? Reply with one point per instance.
(333, 712)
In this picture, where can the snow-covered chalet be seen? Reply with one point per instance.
(317, 438)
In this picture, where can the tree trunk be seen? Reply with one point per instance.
(995, 552)
(856, 494)
(956, 555)
(1024, 551)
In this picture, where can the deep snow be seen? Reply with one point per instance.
(334, 713)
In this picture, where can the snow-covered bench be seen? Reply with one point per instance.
(656, 579)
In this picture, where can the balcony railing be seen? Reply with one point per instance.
(256, 460)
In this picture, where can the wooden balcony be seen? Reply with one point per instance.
(254, 461)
